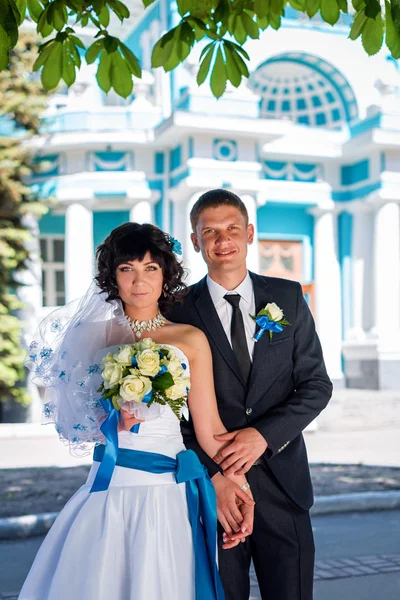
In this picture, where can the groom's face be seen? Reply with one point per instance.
(222, 236)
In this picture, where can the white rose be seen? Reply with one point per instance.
(275, 312)
(148, 362)
(147, 344)
(134, 388)
(112, 373)
(107, 359)
(124, 355)
(178, 390)
(175, 368)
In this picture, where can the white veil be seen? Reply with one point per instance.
(65, 356)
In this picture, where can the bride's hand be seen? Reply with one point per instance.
(233, 539)
(127, 421)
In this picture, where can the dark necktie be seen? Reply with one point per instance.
(238, 336)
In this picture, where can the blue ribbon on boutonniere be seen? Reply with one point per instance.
(265, 324)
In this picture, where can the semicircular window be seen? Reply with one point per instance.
(305, 89)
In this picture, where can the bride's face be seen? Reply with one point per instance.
(140, 283)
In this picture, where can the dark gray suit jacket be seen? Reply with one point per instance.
(288, 385)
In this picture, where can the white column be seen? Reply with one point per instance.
(30, 294)
(328, 302)
(193, 260)
(387, 275)
(253, 254)
(142, 212)
(79, 250)
(360, 271)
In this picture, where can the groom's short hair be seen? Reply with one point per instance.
(214, 198)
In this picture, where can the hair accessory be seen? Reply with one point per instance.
(176, 246)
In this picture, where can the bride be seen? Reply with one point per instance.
(143, 526)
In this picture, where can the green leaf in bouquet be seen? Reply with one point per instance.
(283, 322)
(114, 401)
(163, 382)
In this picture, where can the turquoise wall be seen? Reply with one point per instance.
(52, 224)
(105, 221)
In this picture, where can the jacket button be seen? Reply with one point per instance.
(249, 411)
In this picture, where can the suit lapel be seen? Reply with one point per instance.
(262, 295)
(213, 326)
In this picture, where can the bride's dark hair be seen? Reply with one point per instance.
(132, 241)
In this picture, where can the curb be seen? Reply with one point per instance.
(14, 528)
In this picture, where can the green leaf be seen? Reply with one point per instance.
(60, 15)
(241, 50)
(4, 48)
(372, 35)
(298, 4)
(68, 64)
(75, 55)
(261, 8)
(163, 382)
(43, 26)
(94, 50)
(147, 3)
(218, 75)
(104, 16)
(110, 43)
(21, 6)
(392, 34)
(35, 9)
(77, 41)
(205, 64)
(52, 68)
(43, 55)
(232, 69)
(275, 21)
(358, 25)
(237, 29)
(343, 5)
(250, 26)
(372, 8)
(184, 6)
(162, 50)
(103, 72)
(131, 59)
(119, 9)
(358, 4)
(312, 7)
(241, 64)
(330, 11)
(121, 76)
(205, 49)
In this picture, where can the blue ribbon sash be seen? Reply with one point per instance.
(201, 502)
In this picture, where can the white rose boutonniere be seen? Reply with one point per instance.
(270, 318)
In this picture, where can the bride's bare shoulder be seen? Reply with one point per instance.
(191, 337)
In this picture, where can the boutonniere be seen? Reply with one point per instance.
(270, 318)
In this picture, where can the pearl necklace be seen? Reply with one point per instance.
(151, 325)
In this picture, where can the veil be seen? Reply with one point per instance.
(65, 357)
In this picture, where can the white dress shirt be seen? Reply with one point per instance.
(246, 305)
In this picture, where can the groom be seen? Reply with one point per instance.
(267, 393)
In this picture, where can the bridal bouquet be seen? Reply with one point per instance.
(144, 373)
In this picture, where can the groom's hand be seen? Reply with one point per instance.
(229, 495)
(246, 446)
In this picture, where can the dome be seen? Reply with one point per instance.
(305, 89)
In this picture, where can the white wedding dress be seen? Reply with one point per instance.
(130, 542)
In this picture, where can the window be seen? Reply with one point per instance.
(52, 252)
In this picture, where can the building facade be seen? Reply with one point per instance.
(311, 143)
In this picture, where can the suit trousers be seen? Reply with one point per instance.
(281, 546)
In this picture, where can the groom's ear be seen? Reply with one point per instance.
(250, 234)
(195, 242)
